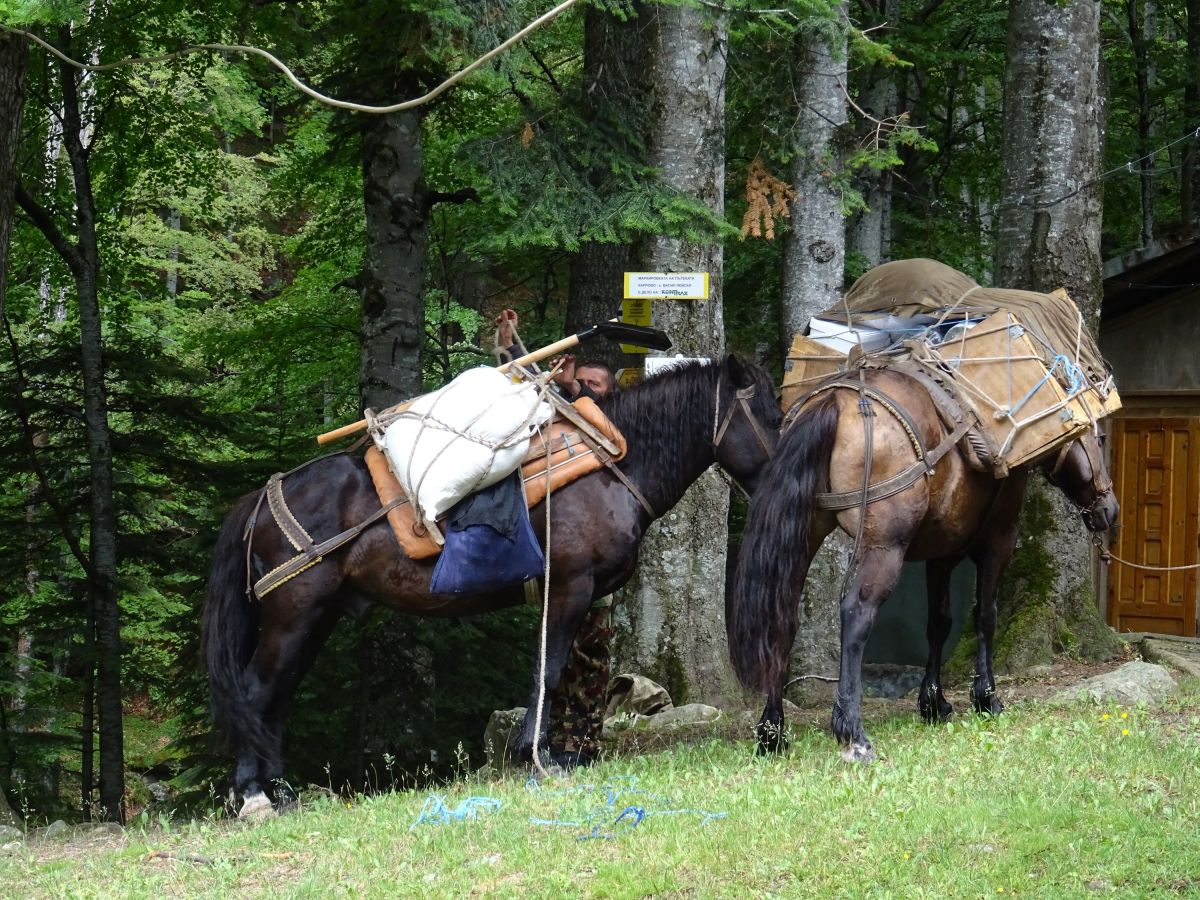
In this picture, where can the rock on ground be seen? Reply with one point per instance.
(1134, 682)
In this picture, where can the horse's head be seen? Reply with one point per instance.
(1078, 471)
(746, 420)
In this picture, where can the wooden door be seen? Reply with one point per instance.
(1156, 470)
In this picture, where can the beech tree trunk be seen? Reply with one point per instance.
(814, 258)
(1048, 236)
(392, 285)
(82, 257)
(672, 614)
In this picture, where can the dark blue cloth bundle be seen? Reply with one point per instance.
(489, 542)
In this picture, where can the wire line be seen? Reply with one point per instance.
(296, 82)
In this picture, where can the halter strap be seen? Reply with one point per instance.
(742, 398)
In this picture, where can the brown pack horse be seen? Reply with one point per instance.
(677, 424)
(955, 513)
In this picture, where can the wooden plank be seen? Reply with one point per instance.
(1024, 411)
(808, 364)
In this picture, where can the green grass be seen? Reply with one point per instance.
(1043, 801)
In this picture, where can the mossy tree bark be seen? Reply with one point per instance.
(814, 258)
(1049, 237)
(672, 614)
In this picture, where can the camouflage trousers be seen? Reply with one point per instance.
(577, 708)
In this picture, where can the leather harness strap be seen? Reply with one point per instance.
(922, 467)
(300, 539)
(314, 553)
(625, 480)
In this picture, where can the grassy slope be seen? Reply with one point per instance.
(1041, 802)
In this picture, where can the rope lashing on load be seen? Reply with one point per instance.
(437, 812)
(1076, 381)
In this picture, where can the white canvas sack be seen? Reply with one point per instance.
(462, 438)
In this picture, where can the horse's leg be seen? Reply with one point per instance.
(877, 575)
(577, 708)
(569, 601)
(301, 653)
(931, 700)
(770, 727)
(288, 625)
(990, 563)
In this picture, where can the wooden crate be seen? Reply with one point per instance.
(1024, 410)
(808, 363)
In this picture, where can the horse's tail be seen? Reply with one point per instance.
(774, 557)
(229, 633)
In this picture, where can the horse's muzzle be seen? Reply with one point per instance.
(1102, 514)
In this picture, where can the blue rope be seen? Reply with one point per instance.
(436, 812)
(604, 826)
(1074, 376)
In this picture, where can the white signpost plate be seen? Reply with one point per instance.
(666, 285)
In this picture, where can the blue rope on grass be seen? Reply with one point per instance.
(603, 825)
(436, 812)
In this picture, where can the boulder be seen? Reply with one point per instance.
(1134, 682)
(503, 729)
(690, 714)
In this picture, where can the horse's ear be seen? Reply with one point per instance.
(739, 372)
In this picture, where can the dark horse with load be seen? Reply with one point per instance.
(881, 450)
(677, 425)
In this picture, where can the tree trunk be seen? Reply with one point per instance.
(611, 58)
(393, 281)
(1190, 176)
(814, 254)
(1048, 236)
(103, 536)
(869, 233)
(672, 622)
(14, 61)
(13, 66)
(1141, 38)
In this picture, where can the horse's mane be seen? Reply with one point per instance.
(668, 418)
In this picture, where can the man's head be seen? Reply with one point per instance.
(596, 376)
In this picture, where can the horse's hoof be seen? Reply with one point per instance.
(938, 711)
(775, 747)
(771, 739)
(987, 704)
(992, 706)
(858, 753)
(256, 807)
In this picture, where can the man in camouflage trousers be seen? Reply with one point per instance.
(577, 707)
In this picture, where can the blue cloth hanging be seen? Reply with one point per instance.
(489, 542)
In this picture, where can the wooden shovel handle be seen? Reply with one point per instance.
(353, 427)
(544, 353)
